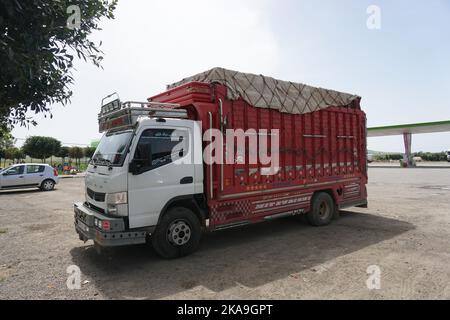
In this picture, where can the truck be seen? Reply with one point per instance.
(221, 149)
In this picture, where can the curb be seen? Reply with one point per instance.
(72, 177)
(418, 167)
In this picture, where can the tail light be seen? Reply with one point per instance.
(55, 172)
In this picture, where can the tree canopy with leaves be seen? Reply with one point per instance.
(76, 153)
(38, 41)
(63, 153)
(89, 152)
(6, 139)
(41, 147)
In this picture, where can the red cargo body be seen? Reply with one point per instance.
(320, 151)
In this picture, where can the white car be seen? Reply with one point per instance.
(29, 175)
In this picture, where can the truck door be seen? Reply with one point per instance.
(170, 175)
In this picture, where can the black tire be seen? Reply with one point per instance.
(47, 185)
(322, 210)
(166, 236)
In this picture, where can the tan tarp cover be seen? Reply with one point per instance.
(266, 92)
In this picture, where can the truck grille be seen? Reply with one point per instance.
(95, 208)
(97, 196)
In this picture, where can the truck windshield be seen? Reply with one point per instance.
(112, 149)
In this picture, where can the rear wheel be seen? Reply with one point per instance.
(47, 185)
(322, 210)
(178, 234)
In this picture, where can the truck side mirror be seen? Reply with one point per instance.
(147, 158)
(143, 160)
(132, 168)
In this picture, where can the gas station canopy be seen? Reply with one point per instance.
(416, 128)
(407, 130)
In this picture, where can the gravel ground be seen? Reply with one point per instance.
(405, 232)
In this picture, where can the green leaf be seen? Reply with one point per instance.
(36, 65)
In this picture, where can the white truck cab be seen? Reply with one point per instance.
(143, 164)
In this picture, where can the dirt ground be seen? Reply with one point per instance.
(405, 233)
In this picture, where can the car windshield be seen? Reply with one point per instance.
(112, 149)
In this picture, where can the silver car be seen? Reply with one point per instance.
(29, 175)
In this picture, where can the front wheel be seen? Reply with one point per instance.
(48, 185)
(178, 234)
(322, 210)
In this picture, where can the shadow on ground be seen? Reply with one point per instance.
(251, 256)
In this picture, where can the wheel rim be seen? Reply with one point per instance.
(48, 185)
(179, 233)
(324, 210)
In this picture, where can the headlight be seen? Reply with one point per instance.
(117, 198)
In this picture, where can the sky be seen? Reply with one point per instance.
(401, 70)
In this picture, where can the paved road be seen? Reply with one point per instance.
(420, 165)
(405, 232)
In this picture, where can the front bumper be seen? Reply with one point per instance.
(117, 235)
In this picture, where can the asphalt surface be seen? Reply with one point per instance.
(404, 235)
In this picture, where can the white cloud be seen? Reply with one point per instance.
(153, 43)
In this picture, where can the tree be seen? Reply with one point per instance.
(89, 152)
(63, 153)
(6, 139)
(18, 155)
(41, 147)
(5, 154)
(38, 40)
(76, 153)
(9, 155)
(6, 143)
(14, 154)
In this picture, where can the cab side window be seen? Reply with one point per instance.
(167, 145)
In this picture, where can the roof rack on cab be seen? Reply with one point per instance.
(122, 115)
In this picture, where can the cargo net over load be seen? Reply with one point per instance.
(266, 92)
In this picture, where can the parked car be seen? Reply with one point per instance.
(448, 155)
(29, 175)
